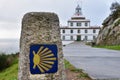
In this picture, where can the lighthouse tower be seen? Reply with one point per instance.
(78, 20)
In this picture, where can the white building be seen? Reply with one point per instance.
(79, 28)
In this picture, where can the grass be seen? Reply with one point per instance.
(69, 66)
(82, 75)
(11, 72)
(116, 47)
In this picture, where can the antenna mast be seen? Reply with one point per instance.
(79, 2)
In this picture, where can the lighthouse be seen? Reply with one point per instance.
(79, 28)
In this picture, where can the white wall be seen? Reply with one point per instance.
(68, 34)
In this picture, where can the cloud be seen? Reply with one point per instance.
(15, 9)
(9, 30)
(9, 26)
(12, 12)
(5, 34)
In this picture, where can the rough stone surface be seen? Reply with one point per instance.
(39, 28)
(110, 33)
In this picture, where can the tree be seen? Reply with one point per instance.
(114, 6)
(115, 9)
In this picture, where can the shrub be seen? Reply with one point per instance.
(3, 60)
(7, 60)
(115, 9)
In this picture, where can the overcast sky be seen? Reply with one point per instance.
(12, 11)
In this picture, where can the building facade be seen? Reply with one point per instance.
(79, 28)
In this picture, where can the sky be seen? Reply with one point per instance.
(12, 12)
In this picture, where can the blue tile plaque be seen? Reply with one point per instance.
(43, 58)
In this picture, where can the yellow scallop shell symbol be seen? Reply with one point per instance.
(43, 59)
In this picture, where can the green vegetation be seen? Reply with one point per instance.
(8, 66)
(73, 69)
(116, 47)
(115, 10)
(3, 61)
(69, 66)
(83, 75)
(10, 73)
(115, 14)
(6, 60)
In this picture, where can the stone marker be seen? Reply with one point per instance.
(40, 29)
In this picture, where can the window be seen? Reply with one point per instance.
(86, 24)
(86, 37)
(71, 37)
(78, 31)
(86, 31)
(71, 31)
(94, 31)
(63, 31)
(63, 38)
(94, 37)
(71, 24)
(79, 24)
